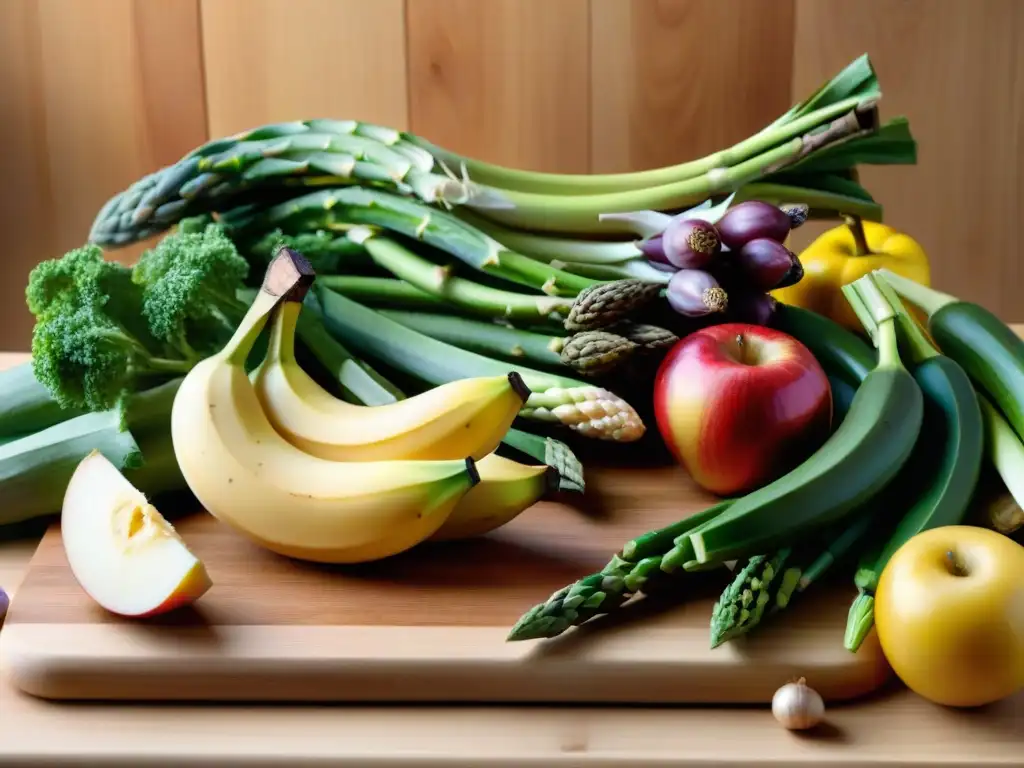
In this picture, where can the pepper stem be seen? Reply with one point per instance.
(856, 227)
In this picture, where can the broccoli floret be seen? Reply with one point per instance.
(82, 352)
(104, 330)
(189, 282)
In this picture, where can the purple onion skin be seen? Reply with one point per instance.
(752, 220)
(766, 263)
(751, 307)
(690, 243)
(653, 249)
(695, 293)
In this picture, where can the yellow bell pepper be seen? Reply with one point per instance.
(845, 253)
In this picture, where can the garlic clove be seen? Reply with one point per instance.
(797, 706)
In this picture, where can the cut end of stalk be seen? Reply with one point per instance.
(859, 622)
(928, 299)
(699, 550)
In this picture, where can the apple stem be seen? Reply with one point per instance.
(860, 241)
(955, 564)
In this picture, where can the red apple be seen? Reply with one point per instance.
(739, 405)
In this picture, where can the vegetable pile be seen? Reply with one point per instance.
(334, 288)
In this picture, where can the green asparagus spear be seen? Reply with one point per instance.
(218, 174)
(363, 385)
(341, 209)
(589, 410)
(485, 338)
(767, 583)
(460, 292)
(630, 572)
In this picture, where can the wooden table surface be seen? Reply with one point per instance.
(895, 728)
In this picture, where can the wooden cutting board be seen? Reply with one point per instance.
(429, 625)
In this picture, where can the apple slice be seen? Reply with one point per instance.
(122, 551)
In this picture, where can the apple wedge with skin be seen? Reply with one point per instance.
(121, 550)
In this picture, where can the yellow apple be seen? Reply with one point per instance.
(121, 550)
(949, 613)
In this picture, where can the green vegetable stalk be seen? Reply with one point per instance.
(636, 569)
(591, 411)
(462, 293)
(805, 156)
(35, 469)
(485, 338)
(361, 384)
(346, 208)
(222, 173)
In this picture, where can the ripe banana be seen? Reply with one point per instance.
(298, 505)
(506, 489)
(463, 418)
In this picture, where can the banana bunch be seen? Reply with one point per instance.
(279, 459)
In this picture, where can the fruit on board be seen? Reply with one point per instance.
(467, 417)
(740, 404)
(844, 254)
(949, 612)
(506, 490)
(252, 479)
(121, 550)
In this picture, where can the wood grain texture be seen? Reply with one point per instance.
(430, 624)
(276, 60)
(956, 69)
(505, 80)
(895, 730)
(94, 95)
(673, 80)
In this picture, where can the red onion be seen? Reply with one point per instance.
(695, 293)
(751, 220)
(752, 307)
(690, 243)
(766, 263)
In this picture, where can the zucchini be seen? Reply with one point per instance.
(860, 459)
(984, 346)
(839, 351)
(940, 479)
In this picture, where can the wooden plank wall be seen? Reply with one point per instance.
(96, 93)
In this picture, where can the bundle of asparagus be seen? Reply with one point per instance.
(411, 226)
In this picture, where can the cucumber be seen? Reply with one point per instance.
(855, 463)
(939, 481)
(983, 345)
(839, 351)
(937, 484)
(26, 405)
